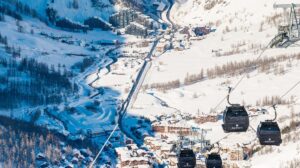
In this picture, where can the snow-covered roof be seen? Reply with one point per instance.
(166, 147)
(161, 7)
(137, 25)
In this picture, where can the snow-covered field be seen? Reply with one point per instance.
(238, 24)
(243, 30)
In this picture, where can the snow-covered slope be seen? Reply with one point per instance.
(243, 30)
(185, 81)
(76, 10)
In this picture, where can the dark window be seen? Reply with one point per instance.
(236, 111)
(269, 127)
(214, 157)
(187, 153)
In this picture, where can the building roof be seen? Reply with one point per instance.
(161, 7)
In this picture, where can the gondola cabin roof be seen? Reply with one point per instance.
(186, 153)
(186, 159)
(214, 157)
(269, 126)
(236, 110)
(214, 161)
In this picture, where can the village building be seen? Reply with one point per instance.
(170, 129)
(122, 18)
(135, 23)
(136, 29)
(132, 156)
(205, 118)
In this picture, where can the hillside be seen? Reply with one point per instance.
(139, 80)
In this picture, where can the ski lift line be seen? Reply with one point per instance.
(252, 128)
(213, 146)
(275, 111)
(102, 148)
(245, 74)
(237, 84)
(227, 135)
(287, 92)
(124, 106)
(253, 140)
(283, 95)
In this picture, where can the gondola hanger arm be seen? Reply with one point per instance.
(275, 111)
(228, 95)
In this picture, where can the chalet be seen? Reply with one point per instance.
(236, 154)
(148, 140)
(169, 129)
(131, 156)
(166, 149)
(144, 20)
(201, 31)
(205, 118)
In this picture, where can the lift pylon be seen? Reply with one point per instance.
(289, 33)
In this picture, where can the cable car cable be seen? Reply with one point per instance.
(115, 128)
(245, 74)
(274, 107)
(268, 131)
(287, 92)
(214, 160)
(103, 146)
(283, 95)
(231, 90)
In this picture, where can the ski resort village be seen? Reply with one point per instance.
(149, 84)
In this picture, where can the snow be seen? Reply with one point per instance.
(286, 2)
(48, 50)
(174, 65)
(237, 24)
(278, 158)
(64, 8)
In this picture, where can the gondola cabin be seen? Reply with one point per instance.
(186, 159)
(268, 133)
(235, 118)
(213, 161)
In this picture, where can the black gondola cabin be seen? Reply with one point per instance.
(268, 133)
(235, 118)
(186, 159)
(213, 161)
